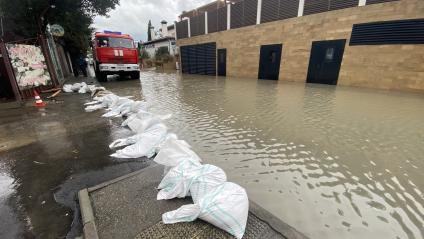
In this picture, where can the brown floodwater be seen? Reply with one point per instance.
(333, 162)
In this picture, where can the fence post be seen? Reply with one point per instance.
(301, 7)
(10, 73)
(259, 13)
(206, 23)
(362, 3)
(229, 16)
(49, 63)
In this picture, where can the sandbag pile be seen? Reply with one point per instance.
(216, 201)
(221, 203)
(81, 88)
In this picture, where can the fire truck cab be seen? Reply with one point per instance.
(115, 53)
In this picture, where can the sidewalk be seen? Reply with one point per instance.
(127, 208)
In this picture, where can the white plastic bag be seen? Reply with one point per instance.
(226, 206)
(146, 145)
(189, 178)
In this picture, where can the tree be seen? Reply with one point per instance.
(149, 32)
(75, 16)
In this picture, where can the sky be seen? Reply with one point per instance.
(132, 16)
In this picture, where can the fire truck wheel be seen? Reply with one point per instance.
(135, 75)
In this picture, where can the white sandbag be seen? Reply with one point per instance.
(116, 111)
(116, 103)
(77, 86)
(140, 125)
(92, 108)
(209, 177)
(134, 108)
(139, 115)
(95, 102)
(189, 178)
(146, 145)
(226, 207)
(135, 138)
(173, 152)
(67, 88)
(103, 102)
(142, 114)
(84, 89)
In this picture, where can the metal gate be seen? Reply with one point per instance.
(199, 59)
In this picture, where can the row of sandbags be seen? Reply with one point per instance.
(81, 88)
(221, 203)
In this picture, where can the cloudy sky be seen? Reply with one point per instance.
(132, 16)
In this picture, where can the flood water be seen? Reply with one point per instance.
(333, 162)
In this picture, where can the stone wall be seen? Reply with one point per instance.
(399, 67)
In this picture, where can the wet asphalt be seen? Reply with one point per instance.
(46, 156)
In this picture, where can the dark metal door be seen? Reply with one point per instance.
(222, 62)
(325, 61)
(269, 64)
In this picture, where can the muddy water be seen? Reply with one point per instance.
(331, 162)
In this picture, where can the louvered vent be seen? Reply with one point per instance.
(379, 1)
(341, 4)
(390, 32)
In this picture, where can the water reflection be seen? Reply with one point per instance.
(332, 162)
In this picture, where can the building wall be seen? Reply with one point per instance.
(399, 67)
(152, 48)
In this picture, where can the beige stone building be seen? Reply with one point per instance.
(365, 43)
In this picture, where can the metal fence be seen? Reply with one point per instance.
(244, 13)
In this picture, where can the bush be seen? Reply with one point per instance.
(162, 54)
(144, 54)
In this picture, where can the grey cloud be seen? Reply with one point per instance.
(132, 16)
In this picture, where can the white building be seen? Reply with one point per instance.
(165, 37)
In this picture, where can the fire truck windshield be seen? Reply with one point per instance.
(115, 42)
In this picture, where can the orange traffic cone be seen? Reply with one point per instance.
(38, 101)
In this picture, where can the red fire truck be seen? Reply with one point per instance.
(115, 53)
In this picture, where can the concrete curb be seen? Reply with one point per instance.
(89, 226)
(87, 213)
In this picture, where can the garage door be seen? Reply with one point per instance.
(199, 59)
